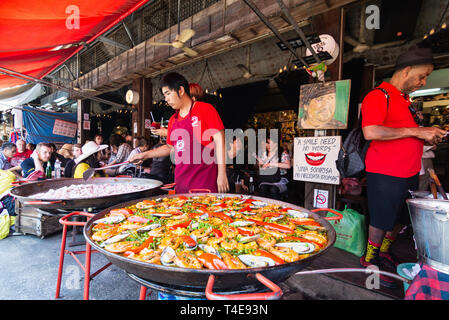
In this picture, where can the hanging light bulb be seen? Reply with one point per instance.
(207, 91)
(280, 70)
(432, 32)
(425, 36)
(285, 68)
(444, 25)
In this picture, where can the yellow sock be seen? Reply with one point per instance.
(386, 244)
(372, 250)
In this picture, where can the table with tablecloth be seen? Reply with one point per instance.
(428, 284)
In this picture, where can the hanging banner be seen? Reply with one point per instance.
(314, 159)
(47, 126)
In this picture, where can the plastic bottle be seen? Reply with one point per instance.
(48, 171)
(57, 169)
(251, 185)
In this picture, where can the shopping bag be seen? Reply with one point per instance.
(6, 222)
(6, 179)
(351, 232)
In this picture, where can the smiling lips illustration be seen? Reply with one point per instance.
(315, 159)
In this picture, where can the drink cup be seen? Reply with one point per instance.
(238, 188)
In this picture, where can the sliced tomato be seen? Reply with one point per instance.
(247, 208)
(211, 261)
(276, 259)
(144, 245)
(245, 232)
(305, 223)
(180, 225)
(273, 226)
(271, 214)
(138, 219)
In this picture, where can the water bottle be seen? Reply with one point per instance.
(48, 171)
(251, 185)
(57, 169)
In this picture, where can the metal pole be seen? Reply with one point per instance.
(265, 20)
(301, 34)
(21, 76)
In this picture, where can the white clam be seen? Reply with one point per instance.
(256, 261)
(298, 247)
(112, 219)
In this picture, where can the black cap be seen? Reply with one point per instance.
(414, 57)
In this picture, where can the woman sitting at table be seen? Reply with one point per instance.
(90, 158)
(274, 159)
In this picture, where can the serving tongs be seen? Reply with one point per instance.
(91, 171)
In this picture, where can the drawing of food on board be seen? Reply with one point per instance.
(324, 105)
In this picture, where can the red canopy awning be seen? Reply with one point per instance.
(37, 36)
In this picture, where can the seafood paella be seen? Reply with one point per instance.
(211, 232)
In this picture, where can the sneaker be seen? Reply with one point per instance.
(390, 258)
(384, 280)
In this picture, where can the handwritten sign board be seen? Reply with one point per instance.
(314, 159)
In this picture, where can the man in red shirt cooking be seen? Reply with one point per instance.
(196, 137)
(393, 160)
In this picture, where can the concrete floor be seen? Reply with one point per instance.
(29, 267)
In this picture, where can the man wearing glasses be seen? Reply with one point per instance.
(393, 160)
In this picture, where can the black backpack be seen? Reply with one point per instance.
(351, 158)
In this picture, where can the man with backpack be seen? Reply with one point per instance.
(393, 159)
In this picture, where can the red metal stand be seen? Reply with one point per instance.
(86, 268)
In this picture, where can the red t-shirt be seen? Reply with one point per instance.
(17, 159)
(400, 157)
(205, 117)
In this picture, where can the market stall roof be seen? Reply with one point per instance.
(37, 36)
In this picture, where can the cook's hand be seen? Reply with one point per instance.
(244, 187)
(431, 135)
(137, 158)
(222, 183)
(160, 132)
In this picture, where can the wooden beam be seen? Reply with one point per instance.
(223, 20)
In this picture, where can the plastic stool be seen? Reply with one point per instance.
(86, 268)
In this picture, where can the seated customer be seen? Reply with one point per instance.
(38, 160)
(21, 154)
(271, 184)
(90, 158)
(7, 150)
(123, 151)
(68, 169)
(141, 146)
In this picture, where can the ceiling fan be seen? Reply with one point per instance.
(181, 39)
(361, 46)
(246, 70)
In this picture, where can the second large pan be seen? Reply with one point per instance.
(198, 278)
(25, 193)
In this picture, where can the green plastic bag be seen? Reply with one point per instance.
(351, 232)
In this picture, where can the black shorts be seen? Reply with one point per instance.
(386, 199)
